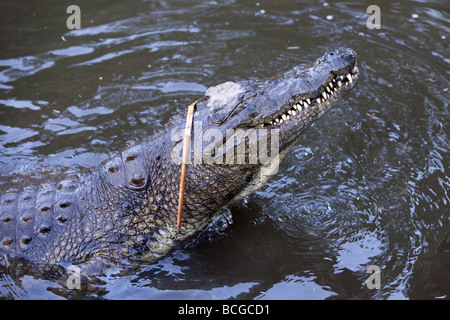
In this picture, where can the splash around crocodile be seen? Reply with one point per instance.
(126, 209)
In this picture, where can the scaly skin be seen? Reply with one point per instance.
(126, 209)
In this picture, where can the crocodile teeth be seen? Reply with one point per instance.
(328, 89)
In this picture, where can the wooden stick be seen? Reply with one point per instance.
(186, 142)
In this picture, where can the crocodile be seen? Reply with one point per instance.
(125, 209)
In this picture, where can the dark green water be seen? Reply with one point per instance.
(367, 185)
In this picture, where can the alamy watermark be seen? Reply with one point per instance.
(374, 280)
(235, 146)
(74, 279)
(374, 21)
(74, 20)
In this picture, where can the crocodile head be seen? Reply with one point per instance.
(290, 102)
(235, 121)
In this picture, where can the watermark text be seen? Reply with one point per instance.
(74, 20)
(74, 279)
(235, 146)
(374, 20)
(374, 280)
